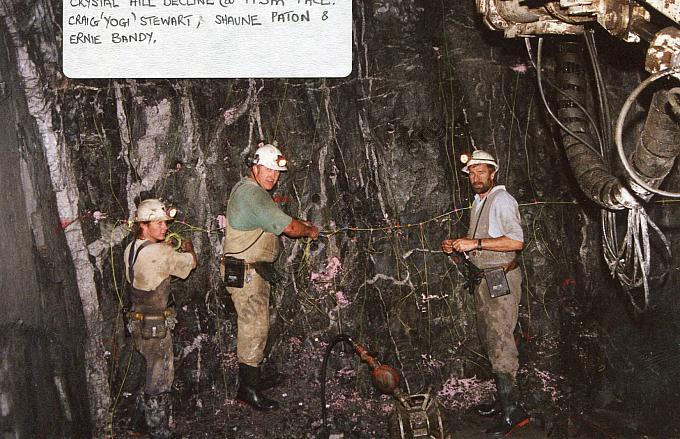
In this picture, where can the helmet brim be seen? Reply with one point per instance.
(474, 162)
(153, 218)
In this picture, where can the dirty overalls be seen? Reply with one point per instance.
(251, 301)
(496, 317)
(151, 322)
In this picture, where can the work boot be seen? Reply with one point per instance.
(137, 423)
(489, 409)
(157, 414)
(270, 377)
(248, 389)
(513, 416)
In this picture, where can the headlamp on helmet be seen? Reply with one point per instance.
(282, 161)
(480, 157)
(270, 157)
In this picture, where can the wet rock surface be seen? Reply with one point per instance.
(374, 162)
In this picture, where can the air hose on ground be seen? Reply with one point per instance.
(385, 378)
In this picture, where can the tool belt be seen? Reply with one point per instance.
(153, 324)
(233, 270)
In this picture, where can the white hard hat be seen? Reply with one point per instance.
(151, 210)
(270, 157)
(480, 157)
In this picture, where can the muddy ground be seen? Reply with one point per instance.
(355, 409)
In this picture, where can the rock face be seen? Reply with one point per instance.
(374, 162)
(42, 360)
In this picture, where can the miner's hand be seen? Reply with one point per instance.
(188, 247)
(312, 231)
(447, 246)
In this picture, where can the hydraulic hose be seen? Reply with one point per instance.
(591, 172)
(659, 143)
(674, 101)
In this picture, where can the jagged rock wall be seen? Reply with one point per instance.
(373, 162)
(42, 362)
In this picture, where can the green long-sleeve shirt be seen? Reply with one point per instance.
(251, 207)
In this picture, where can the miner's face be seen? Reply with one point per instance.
(154, 230)
(481, 177)
(265, 177)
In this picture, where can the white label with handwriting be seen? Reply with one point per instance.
(207, 38)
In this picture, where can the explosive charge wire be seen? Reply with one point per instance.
(190, 228)
(398, 226)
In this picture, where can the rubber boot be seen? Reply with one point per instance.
(270, 377)
(248, 391)
(157, 414)
(489, 409)
(137, 424)
(513, 416)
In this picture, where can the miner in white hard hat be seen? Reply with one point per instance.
(270, 157)
(150, 262)
(480, 157)
(492, 243)
(251, 245)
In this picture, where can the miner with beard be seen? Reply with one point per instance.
(254, 223)
(492, 243)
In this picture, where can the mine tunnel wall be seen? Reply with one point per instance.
(42, 366)
(374, 155)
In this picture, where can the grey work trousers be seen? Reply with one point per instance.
(496, 321)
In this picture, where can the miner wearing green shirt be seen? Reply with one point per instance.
(254, 223)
